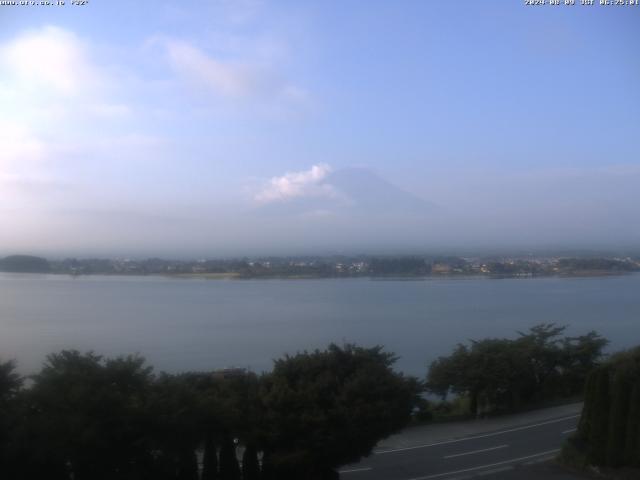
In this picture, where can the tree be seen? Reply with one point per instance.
(503, 374)
(229, 468)
(87, 415)
(580, 355)
(187, 464)
(620, 396)
(24, 264)
(328, 408)
(175, 428)
(250, 465)
(632, 441)
(541, 345)
(609, 429)
(10, 381)
(210, 459)
(10, 385)
(600, 416)
(398, 266)
(448, 373)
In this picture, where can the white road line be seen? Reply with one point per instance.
(475, 451)
(549, 452)
(353, 470)
(569, 431)
(446, 442)
(494, 471)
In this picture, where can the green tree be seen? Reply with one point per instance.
(328, 408)
(617, 435)
(504, 374)
(175, 426)
(210, 459)
(609, 429)
(86, 414)
(10, 382)
(250, 465)
(600, 416)
(229, 467)
(447, 374)
(632, 441)
(580, 355)
(10, 386)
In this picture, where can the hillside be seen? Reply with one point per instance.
(24, 264)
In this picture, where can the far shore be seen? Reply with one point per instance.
(239, 276)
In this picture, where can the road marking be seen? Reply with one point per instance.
(494, 471)
(354, 470)
(549, 452)
(476, 451)
(446, 442)
(569, 431)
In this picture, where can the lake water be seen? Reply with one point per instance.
(180, 324)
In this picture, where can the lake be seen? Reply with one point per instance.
(194, 324)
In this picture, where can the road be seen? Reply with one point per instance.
(467, 449)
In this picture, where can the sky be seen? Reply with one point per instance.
(222, 128)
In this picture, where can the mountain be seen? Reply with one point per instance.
(354, 192)
(369, 192)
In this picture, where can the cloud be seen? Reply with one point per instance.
(236, 79)
(17, 145)
(50, 57)
(308, 183)
(224, 78)
(109, 110)
(51, 75)
(53, 92)
(61, 119)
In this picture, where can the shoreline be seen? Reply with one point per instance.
(239, 276)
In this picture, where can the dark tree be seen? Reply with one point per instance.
(328, 408)
(229, 468)
(210, 460)
(609, 429)
(250, 465)
(632, 442)
(24, 264)
(499, 374)
(10, 385)
(10, 381)
(86, 415)
(600, 416)
(620, 396)
(187, 465)
(175, 423)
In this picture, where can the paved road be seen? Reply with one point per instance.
(482, 449)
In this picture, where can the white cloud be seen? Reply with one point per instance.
(17, 145)
(239, 79)
(109, 110)
(50, 57)
(52, 89)
(225, 78)
(308, 183)
(59, 107)
(51, 76)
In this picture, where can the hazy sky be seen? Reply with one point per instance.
(228, 127)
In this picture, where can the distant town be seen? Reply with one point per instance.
(330, 267)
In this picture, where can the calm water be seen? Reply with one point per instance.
(183, 324)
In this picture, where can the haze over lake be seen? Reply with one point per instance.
(180, 324)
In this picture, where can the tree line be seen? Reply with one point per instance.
(501, 374)
(83, 416)
(86, 417)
